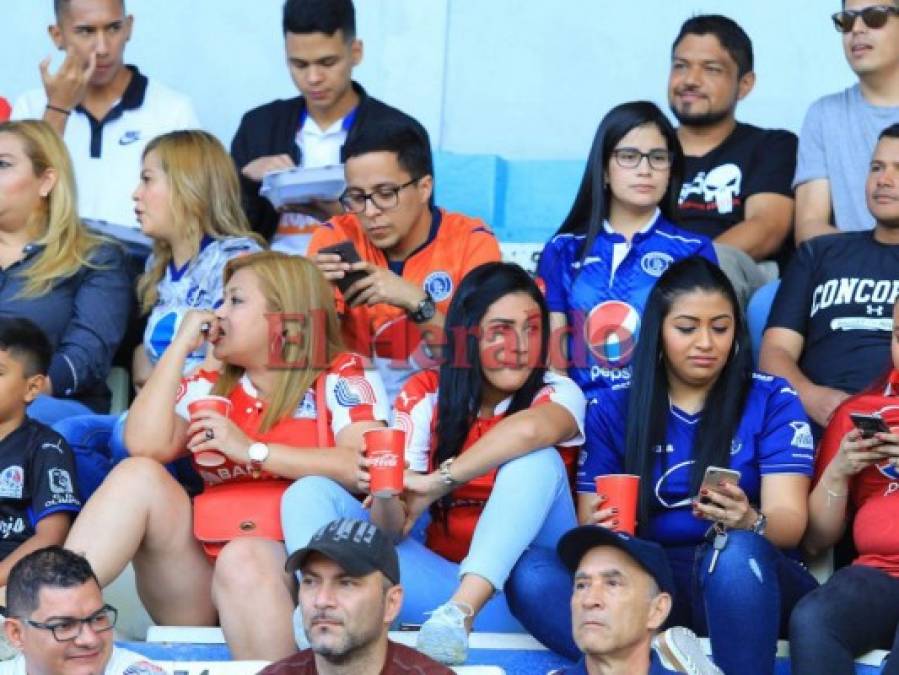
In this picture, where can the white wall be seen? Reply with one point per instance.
(523, 79)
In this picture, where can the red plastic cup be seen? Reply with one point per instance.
(620, 491)
(386, 451)
(218, 404)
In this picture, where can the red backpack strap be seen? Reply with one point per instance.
(321, 409)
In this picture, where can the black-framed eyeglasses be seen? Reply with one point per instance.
(66, 629)
(384, 197)
(630, 158)
(874, 16)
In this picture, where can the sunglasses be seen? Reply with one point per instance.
(875, 16)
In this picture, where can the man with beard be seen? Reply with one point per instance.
(737, 176)
(350, 593)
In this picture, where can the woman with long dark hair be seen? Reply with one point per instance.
(483, 432)
(615, 242)
(694, 403)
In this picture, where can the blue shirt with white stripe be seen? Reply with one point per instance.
(773, 437)
(603, 298)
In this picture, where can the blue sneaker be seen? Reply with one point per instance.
(443, 636)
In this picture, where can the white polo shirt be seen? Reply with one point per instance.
(106, 153)
(318, 147)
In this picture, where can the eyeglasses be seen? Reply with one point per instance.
(874, 16)
(67, 629)
(384, 197)
(630, 158)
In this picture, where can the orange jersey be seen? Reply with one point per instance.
(384, 332)
(415, 412)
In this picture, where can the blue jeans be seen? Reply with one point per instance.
(743, 606)
(857, 610)
(98, 442)
(534, 488)
(50, 410)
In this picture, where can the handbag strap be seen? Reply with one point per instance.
(321, 407)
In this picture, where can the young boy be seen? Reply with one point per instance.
(38, 493)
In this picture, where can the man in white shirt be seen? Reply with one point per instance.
(57, 620)
(106, 111)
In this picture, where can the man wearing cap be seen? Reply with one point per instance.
(623, 589)
(349, 594)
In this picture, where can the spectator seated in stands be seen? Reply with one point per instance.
(39, 497)
(57, 619)
(413, 255)
(309, 130)
(737, 177)
(829, 328)
(693, 403)
(350, 593)
(623, 590)
(188, 203)
(856, 474)
(840, 130)
(105, 110)
(299, 405)
(483, 432)
(69, 282)
(614, 244)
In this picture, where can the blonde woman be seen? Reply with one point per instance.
(188, 202)
(71, 283)
(279, 393)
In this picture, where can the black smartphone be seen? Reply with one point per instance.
(869, 424)
(348, 254)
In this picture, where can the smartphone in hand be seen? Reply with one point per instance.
(869, 424)
(348, 254)
(715, 475)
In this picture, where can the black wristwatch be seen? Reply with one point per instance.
(425, 310)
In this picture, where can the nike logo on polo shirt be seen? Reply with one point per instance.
(129, 137)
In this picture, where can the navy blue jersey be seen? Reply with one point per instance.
(838, 294)
(603, 299)
(37, 479)
(773, 437)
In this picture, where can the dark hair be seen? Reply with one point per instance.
(52, 566)
(60, 5)
(461, 376)
(648, 403)
(26, 342)
(891, 131)
(409, 143)
(320, 16)
(591, 205)
(732, 38)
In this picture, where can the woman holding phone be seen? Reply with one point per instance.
(856, 476)
(693, 404)
(295, 411)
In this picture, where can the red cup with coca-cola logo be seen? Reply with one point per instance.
(218, 404)
(385, 451)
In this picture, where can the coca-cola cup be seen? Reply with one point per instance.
(385, 451)
(620, 491)
(222, 406)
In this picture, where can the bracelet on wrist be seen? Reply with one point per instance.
(56, 108)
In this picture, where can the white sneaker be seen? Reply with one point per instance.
(443, 636)
(681, 650)
(299, 631)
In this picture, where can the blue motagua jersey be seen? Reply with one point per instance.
(197, 285)
(773, 437)
(603, 298)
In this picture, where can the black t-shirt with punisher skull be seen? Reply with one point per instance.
(37, 478)
(716, 186)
